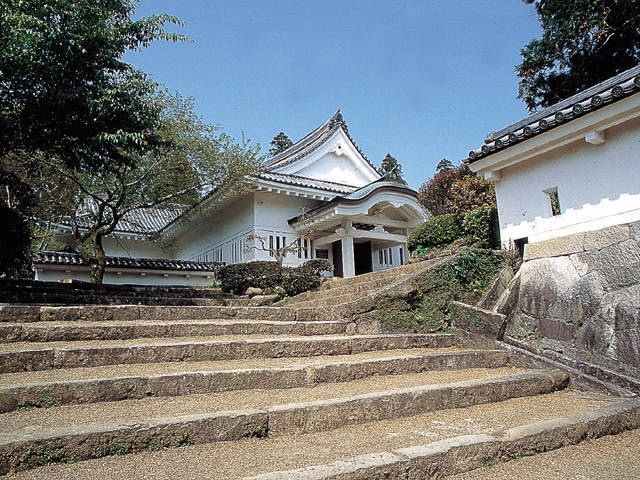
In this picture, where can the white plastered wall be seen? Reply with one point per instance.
(598, 186)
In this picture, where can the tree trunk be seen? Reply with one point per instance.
(98, 261)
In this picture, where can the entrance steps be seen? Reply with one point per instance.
(344, 290)
(256, 392)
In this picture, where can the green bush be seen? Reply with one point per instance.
(318, 266)
(236, 278)
(481, 226)
(437, 231)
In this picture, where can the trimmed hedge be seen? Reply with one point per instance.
(236, 278)
(437, 231)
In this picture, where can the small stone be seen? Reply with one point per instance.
(253, 291)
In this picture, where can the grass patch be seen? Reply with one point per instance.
(429, 308)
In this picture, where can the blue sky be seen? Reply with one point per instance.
(420, 79)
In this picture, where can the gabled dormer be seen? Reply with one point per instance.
(329, 154)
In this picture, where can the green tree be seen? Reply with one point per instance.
(279, 144)
(195, 161)
(583, 42)
(444, 164)
(390, 167)
(66, 97)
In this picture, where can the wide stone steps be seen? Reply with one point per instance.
(280, 392)
(112, 330)
(21, 356)
(120, 382)
(94, 430)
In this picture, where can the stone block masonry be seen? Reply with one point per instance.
(580, 297)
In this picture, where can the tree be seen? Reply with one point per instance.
(278, 249)
(67, 99)
(279, 144)
(195, 161)
(444, 164)
(583, 42)
(434, 194)
(390, 167)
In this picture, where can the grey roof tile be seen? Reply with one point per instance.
(622, 85)
(67, 258)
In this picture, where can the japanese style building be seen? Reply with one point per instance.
(321, 195)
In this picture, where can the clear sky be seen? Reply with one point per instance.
(420, 79)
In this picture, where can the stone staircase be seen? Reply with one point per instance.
(338, 291)
(270, 393)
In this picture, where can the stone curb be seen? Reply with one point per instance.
(202, 382)
(63, 331)
(93, 356)
(28, 450)
(460, 454)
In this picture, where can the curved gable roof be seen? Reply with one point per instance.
(312, 142)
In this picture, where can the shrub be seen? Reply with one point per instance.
(236, 278)
(434, 194)
(318, 266)
(297, 280)
(436, 231)
(471, 192)
(481, 226)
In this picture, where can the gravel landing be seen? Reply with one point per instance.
(229, 460)
(607, 458)
(139, 411)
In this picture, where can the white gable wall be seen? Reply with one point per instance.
(598, 186)
(337, 160)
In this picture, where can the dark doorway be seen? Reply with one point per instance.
(337, 258)
(362, 257)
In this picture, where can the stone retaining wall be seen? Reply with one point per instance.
(579, 296)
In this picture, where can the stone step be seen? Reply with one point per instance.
(395, 273)
(23, 356)
(98, 313)
(113, 330)
(361, 289)
(120, 382)
(89, 431)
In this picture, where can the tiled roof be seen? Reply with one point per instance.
(332, 187)
(146, 221)
(65, 258)
(362, 193)
(618, 87)
(311, 142)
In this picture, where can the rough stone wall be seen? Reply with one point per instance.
(579, 296)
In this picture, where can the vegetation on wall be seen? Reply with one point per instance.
(429, 308)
